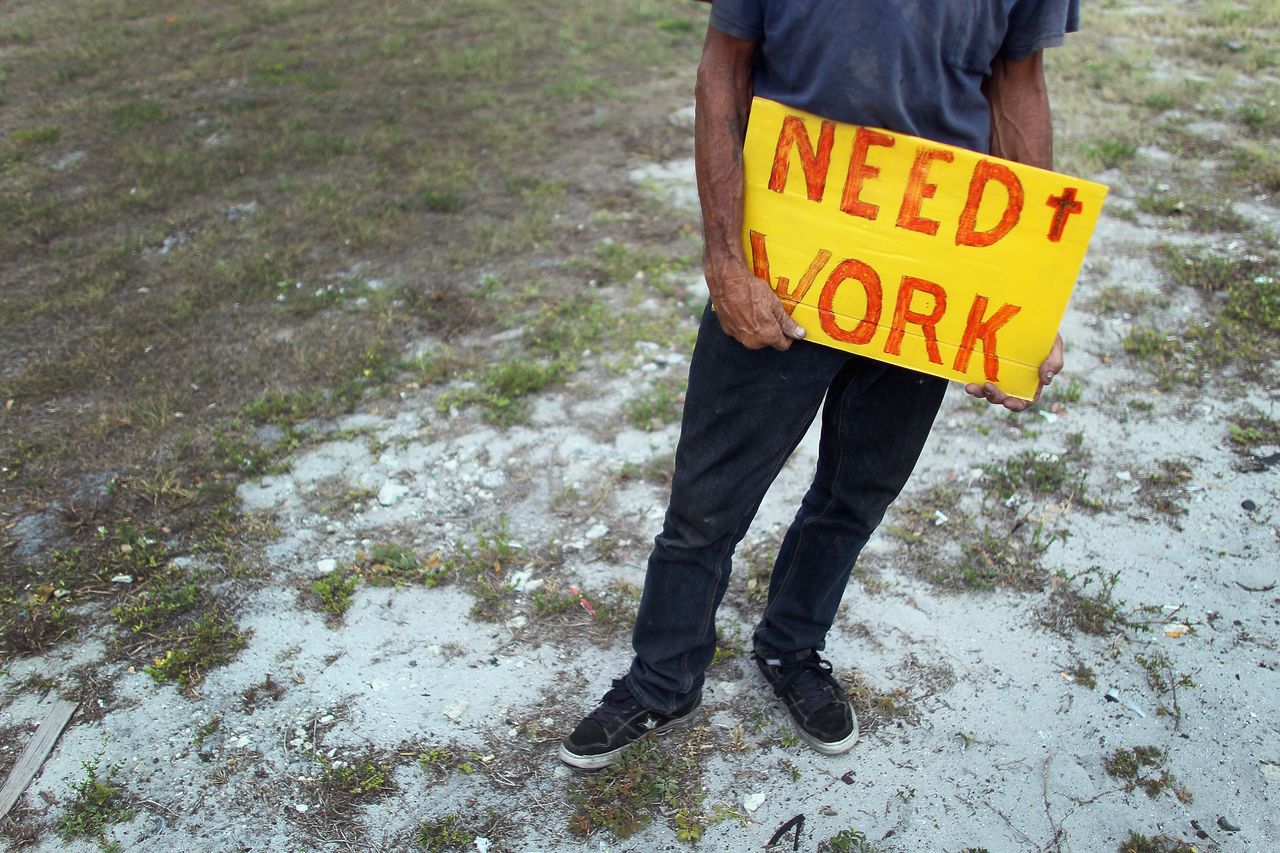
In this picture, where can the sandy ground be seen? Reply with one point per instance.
(992, 744)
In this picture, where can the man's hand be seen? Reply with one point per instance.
(749, 310)
(1049, 368)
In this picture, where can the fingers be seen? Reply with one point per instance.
(789, 330)
(1053, 362)
(996, 397)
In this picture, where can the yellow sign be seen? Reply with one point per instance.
(914, 252)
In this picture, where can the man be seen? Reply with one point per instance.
(963, 72)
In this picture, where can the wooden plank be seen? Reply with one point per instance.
(38, 749)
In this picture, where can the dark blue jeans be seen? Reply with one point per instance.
(744, 414)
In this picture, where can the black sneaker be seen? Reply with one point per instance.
(619, 721)
(824, 717)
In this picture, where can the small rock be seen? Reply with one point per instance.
(596, 531)
(328, 564)
(1227, 826)
(122, 579)
(682, 118)
(236, 212)
(301, 807)
(751, 802)
(67, 161)
(391, 492)
(1248, 505)
(456, 710)
(1124, 476)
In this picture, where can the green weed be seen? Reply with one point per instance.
(150, 610)
(1143, 767)
(1084, 676)
(995, 560)
(352, 780)
(333, 591)
(99, 802)
(657, 470)
(449, 833)
(657, 406)
(1036, 472)
(1113, 152)
(1114, 299)
(1165, 681)
(1139, 843)
(1253, 429)
(209, 642)
(501, 390)
(1086, 602)
(848, 841)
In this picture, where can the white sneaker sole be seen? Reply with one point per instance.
(838, 747)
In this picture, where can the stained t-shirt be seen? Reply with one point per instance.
(912, 66)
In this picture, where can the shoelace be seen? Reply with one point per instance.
(615, 704)
(821, 685)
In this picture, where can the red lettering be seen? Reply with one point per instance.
(866, 328)
(815, 163)
(975, 329)
(986, 172)
(902, 315)
(860, 171)
(789, 297)
(918, 189)
(1064, 205)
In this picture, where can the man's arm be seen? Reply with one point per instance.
(1021, 130)
(747, 307)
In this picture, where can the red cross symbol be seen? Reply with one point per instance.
(1066, 205)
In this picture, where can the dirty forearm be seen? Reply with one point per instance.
(1021, 129)
(723, 103)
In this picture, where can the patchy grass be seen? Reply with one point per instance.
(1238, 327)
(209, 642)
(1035, 472)
(191, 293)
(1164, 490)
(877, 708)
(1086, 602)
(1139, 843)
(1248, 431)
(1143, 767)
(1084, 676)
(624, 798)
(658, 405)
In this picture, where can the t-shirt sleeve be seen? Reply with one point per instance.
(742, 19)
(1037, 24)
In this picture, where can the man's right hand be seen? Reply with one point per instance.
(749, 310)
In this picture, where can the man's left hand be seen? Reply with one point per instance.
(1050, 368)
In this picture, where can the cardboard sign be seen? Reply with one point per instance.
(940, 259)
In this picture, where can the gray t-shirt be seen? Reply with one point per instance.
(912, 66)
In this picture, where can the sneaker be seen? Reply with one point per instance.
(619, 721)
(822, 712)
